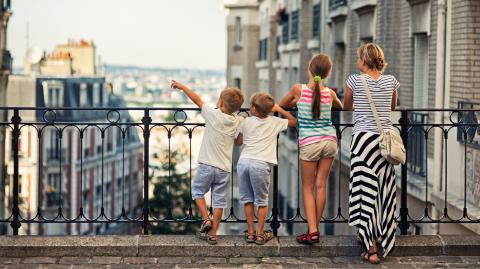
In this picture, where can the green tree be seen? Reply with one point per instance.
(171, 194)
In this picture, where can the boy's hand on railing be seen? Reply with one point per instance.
(276, 108)
(292, 121)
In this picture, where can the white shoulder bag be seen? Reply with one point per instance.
(390, 141)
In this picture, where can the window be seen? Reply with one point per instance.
(277, 49)
(294, 32)
(420, 72)
(104, 95)
(83, 95)
(238, 31)
(96, 94)
(238, 83)
(366, 24)
(316, 20)
(53, 93)
(366, 40)
(263, 49)
(285, 30)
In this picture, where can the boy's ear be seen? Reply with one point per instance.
(219, 103)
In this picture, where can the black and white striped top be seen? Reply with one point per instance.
(381, 91)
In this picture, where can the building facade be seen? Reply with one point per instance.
(64, 167)
(242, 43)
(5, 70)
(431, 46)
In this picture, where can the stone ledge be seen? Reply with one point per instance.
(228, 246)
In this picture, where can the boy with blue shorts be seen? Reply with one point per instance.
(258, 134)
(215, 157)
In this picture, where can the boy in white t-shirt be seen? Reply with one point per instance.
(215, 157)
(259, 135)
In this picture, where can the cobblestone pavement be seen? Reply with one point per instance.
(236, 262)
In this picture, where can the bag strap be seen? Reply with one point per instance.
(372, 104)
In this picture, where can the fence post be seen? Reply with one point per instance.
(16, 120)
(404, 123)
(146, 120)
(275, 224)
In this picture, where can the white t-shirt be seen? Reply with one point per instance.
(260, 137)
(217, 144)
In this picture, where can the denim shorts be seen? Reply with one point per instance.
(254, 181)
(216, 179)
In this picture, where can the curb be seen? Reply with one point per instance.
(228, 246)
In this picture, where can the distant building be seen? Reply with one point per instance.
(242, 44)
(68, 171)
(73, 58)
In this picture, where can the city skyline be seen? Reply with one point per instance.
(156, 38)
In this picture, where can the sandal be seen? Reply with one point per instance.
(211, 239)
(250, 237)
(367, 255)
(206, 226)
(309, 238)
(264, 237)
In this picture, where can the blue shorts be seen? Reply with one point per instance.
(254, 181)
(216, 179)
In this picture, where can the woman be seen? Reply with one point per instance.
(372, 178)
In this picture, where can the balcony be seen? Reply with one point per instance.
(160, 165)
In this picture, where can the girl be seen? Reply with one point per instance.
(372, 178)
(317, 139)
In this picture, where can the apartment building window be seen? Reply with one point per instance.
(336, 3)
(238, 83)
(104, 95)
(263, 49)
(285, 35)
(366, 24)
(420, 72)
(316, 20)
(83, 95)
(53, 93)
(295, 21)
(238, 32)
(277, 48)
(366, 40)
(96, 94)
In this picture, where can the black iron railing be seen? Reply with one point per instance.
(152, 158)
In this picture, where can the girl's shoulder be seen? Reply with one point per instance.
(297, 87)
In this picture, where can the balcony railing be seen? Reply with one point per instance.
(159, 168)
(336, 3)
(472, 137)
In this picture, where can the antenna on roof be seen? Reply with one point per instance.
(27, 35)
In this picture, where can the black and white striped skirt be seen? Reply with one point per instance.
(372, 200)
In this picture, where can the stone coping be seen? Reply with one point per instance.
(228, 246)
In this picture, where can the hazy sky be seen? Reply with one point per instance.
(160, 33)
